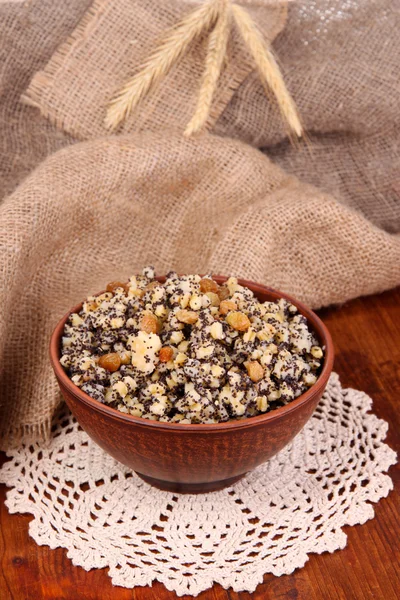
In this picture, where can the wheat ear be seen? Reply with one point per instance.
(267, 67)
(216, 51)
(160, 62)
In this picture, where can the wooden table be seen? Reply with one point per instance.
(366, 333)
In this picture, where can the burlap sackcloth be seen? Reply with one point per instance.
(110, 41)
(339, 59)
(100, 210)
(30, 32)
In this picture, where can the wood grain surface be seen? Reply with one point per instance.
(366, 334)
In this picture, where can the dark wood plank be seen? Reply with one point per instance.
(366, 334)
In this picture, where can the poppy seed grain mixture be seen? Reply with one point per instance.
(189, 350)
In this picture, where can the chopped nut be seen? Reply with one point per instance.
(161, 310)
(184, 346)
(184, 301)
(223, 292)
(166, 354)
(145, 348)
(125, 357)
(181, 358)
(250, 335)
(266, 333)
(309, 379)
(282, 336)
(149, 323)
(187, 316)
(266, 359)
(316, 352)
(114, 285)
(102, 297)
(217, 371)
(226, 306)
(204, 351)
(76, 320)
(217, 331)
(65, 361)
(208, 285)
(196, 302)
(121, 388)
(90, 306)
(238, 321)
(117, 322)
(262, 403)
(254, 370)
(110, 362)
(214, 298)
(176, 337)
(138, 293)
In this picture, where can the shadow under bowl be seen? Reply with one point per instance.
(186, 458)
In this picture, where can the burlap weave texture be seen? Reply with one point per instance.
(100, 210)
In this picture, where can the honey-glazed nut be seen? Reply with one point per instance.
(149, 323)
(91, 306)
(151, 286)
(223, 292)
(208, 285)
(138, 293)
(226, 306)
(166, 353)
(238, 320)
(110, 362)
(254, 370)
(214, 298)
(187, 316)
(125, 357)
(114, 285)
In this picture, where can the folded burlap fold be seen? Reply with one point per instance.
(339, 62)
(100, 210)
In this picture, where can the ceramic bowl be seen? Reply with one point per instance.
(195, 458)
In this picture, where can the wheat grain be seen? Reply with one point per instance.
(216, 54)
(160, 62)
(267, 67)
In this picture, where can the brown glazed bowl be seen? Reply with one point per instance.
(195, 458)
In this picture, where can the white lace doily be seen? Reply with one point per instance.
(295, 504)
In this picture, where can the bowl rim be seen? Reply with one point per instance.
(317, 326)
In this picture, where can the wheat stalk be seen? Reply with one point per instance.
(160, 62)
(216, 54)
(267, 67)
